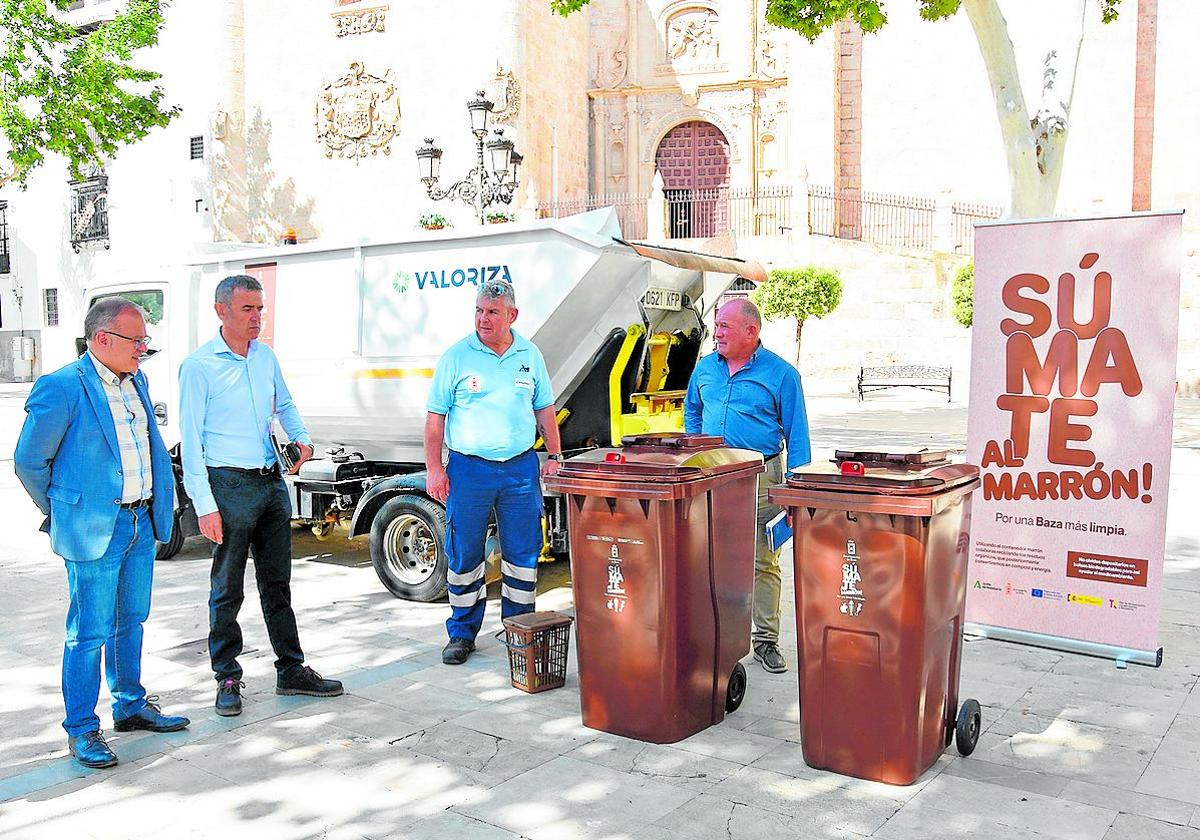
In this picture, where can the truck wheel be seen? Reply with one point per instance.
(167, 550)
(408, 548)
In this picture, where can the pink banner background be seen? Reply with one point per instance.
(1020, 544)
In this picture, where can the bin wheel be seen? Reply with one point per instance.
(966, 730)
(736, 692)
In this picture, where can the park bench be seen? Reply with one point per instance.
(926, 377)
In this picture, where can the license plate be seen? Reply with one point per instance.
(663, 299)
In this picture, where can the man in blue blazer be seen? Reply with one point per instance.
(92, 460)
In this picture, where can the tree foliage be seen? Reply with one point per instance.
(962, 293)
(72, 94)
(812, 17)
(800, 293)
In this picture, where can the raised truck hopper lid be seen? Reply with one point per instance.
(889, 473)
(665, 457)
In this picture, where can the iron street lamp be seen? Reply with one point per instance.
(480, 188)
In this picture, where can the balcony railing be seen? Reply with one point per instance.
(965, 215)
(631, 210)
(89, 212)
(5, 254)
(902, 221)
(695, 214)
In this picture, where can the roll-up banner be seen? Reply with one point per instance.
(1073, 360)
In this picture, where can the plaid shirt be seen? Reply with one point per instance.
(133, 432)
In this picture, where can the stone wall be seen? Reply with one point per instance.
(554, 61)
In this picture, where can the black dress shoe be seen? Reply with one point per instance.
(304, 680)
(229, 698)
(151, 719)
(91, 750)
(457, 651)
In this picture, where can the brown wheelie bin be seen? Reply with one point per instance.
(662, 566)
(880, 553)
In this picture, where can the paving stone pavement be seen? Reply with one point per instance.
(1073, 748)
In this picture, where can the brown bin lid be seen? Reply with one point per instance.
(891, 473)
(670, 457)
(537, 620)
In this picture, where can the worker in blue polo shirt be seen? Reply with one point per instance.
(754, 399)
(489, 398)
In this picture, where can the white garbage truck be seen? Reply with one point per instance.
(359, 327)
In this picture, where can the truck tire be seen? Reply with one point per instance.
(408, 547)
(167, 550)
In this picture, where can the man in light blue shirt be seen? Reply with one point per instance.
(489, 396)
(754, 399)
(230, 391)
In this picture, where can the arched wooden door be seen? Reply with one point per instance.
(693, 160)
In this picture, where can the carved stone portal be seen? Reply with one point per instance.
(360, 21)
(357, 115)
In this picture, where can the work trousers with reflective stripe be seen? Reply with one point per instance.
(477, 487)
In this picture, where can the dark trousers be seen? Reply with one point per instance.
(256, 517)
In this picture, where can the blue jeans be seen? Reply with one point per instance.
(110, 600)
(477, 487)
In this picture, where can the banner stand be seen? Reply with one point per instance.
(1123, 656)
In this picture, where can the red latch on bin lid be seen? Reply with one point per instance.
(853, 468)
(614, 457)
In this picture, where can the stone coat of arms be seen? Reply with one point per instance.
(357, 115)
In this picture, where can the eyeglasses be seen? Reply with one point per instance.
(144, 341)
(498, 288)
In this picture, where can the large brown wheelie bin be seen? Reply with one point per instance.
(880, 553)
(662, 567)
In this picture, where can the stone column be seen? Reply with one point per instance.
(799, 208)
(847, 130)
(1143, 103)
(656, 211)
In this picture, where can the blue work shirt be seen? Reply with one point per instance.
(761, 407)
(226, 406)
(489, 400)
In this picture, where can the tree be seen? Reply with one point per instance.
(71, 93)
(962, 293)
(1034, 143)
(802, 293)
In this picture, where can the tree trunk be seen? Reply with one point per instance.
(1033, 146)
(799, 328)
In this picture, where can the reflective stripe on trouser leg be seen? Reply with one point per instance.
(519, 519)
(473, 488)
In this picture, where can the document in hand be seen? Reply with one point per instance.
(778, 531)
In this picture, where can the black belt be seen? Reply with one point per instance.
(272, 470)
(140, 503)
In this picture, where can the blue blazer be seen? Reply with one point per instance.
(68, 459)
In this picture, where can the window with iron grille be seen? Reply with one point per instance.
(89, 212)
(5, 258)
(197, 147)
(50, 303)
